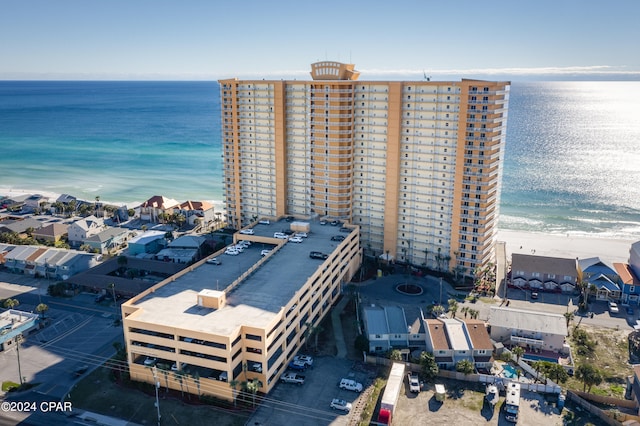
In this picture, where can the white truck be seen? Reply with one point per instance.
(391, 393)
(414, 383)
(351, 385)
(292, 378)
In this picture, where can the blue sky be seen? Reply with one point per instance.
(399, 39)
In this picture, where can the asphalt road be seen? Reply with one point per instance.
(79, 333)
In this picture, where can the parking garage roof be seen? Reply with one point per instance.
(257, 300)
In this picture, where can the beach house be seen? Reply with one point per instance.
(196, 210)
(452, 340)
(84, 228)
(153, 209)
(543, 273)
(388, 327)
(51, 233)
(601, 276)
(535, 331)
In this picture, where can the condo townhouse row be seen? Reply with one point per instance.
(616, 282)
(243, 317)
(45, 262)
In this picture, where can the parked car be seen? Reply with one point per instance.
(256, 366)
(318, 255)
(337, 238)
(323, 222)
(231, 252)
(351, 385)
(534, 294)
(295, 239)
(264, 222)
(214, 261)
(335, 222)
(148, 361)
(280, 235)
(239, 247)
(223, 376)
(301, 234)
(247, 231)
(297, 365)
(414, 383)
(340, 404)
(613, 308)
(290, 377)
(290, 218)
(265, 252)
(308, 360)
(344, 229)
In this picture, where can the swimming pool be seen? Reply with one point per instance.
(509, 372)
(531, 357)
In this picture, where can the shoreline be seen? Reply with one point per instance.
(53, 196)
(566, 246)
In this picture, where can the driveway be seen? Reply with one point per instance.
(308, 404)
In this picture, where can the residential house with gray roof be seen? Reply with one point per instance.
(544, 273)
(84, 228)
(107, 239)
(51, 233)
(388, 327)
(535, 330)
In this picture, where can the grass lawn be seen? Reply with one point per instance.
(98, 393)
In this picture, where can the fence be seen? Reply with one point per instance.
(610, 417)
(549, 387)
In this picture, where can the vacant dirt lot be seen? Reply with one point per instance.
(466, 407)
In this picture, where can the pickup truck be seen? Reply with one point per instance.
(298, 365)
(414, 383)
(292, 378)
(351, 385)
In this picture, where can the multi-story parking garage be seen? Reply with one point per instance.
(211, 325)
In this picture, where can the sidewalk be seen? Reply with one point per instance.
(341, 346)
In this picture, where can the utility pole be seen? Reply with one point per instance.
(156, 384)
(18, 341)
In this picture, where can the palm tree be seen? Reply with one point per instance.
(253, 386)
(178, 376)
(196, 379)
(589, 376)
(41, 309)
(568, 316)
(453, 307)
(234, 386)
(11, 303)
(518, 351)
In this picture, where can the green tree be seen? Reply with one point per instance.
(453, 307)
(41, 309)
(555, 372)
(518, 351)
(11, 303)
(465, 366)
(429, 366)
(253, 386)
(395, 355)
(589, 376)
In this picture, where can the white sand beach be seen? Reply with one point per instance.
(567, 246)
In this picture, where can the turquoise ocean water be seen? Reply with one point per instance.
(572, 161)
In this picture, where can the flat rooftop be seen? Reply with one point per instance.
(257, 300)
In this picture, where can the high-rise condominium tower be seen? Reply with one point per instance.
(416, 164)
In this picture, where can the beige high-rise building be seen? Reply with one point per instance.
(416, 164)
